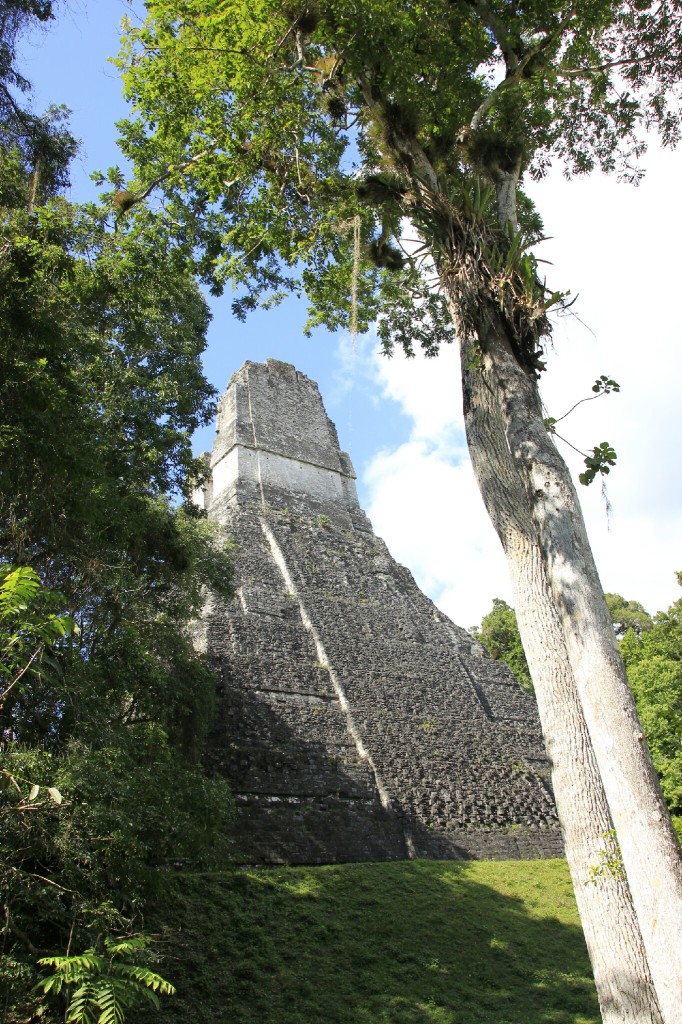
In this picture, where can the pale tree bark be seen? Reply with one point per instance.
(506, 185)
(558, 542)
(649, 849)
(624, 987)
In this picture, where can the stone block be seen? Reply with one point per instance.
(356, 721)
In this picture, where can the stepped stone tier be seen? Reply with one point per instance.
(356, 721)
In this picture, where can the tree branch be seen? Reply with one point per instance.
(502, 37)
(515, 66)
(408, 148)
(19, 934)
(512, 80)
(175, 169)
(3, 696)
(589, 398)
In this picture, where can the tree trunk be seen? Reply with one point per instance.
(648, 846)
(614, 942)
(557, 539)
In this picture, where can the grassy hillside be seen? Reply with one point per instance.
(403, 943)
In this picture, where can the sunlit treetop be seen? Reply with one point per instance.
(290, 140)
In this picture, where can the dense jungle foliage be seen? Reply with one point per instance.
(104, 703)
(651, 646)
(103, 700)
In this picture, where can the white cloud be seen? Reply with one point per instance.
(424, 500)
(428, 391)
(428, 510)
(618, 248)
(353, 366)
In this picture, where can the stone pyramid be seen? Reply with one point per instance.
(356, 721)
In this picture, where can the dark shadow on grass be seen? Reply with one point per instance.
(395, 943)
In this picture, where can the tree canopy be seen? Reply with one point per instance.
(103, 700)
(652, 650)
(653, 657)
(499, 634)
(291, 140)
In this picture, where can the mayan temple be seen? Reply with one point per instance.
(356, 722)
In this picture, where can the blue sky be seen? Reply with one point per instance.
(615, 246)
(68, 63)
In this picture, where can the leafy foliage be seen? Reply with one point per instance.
(31, 622)
(657, 684)
(42, 142)
(17, 17)
(101, 338)
(90, 860)
(604, 385)
(271, 129)
(652, 651)
(85, 825)
(101, 986)
(499, 634)
(627, 615)
(653, 657)
(601, 460)
(104, 701)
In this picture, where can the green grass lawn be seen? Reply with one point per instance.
(420, 942)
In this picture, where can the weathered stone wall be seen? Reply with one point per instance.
(357, 721)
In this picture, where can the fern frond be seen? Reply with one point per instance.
(103, 987)
(152, 980)
(119, 947)
(79, 1011)
(109, 1002)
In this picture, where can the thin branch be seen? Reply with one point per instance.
(491, 21)
(12, 779)
(48, 881)
(16, 679)
(17, 932)
(590, 398)
(177, 169)
(517, 75)
(20, 114)
(68, 945)
(608, 66)
(561, 438)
